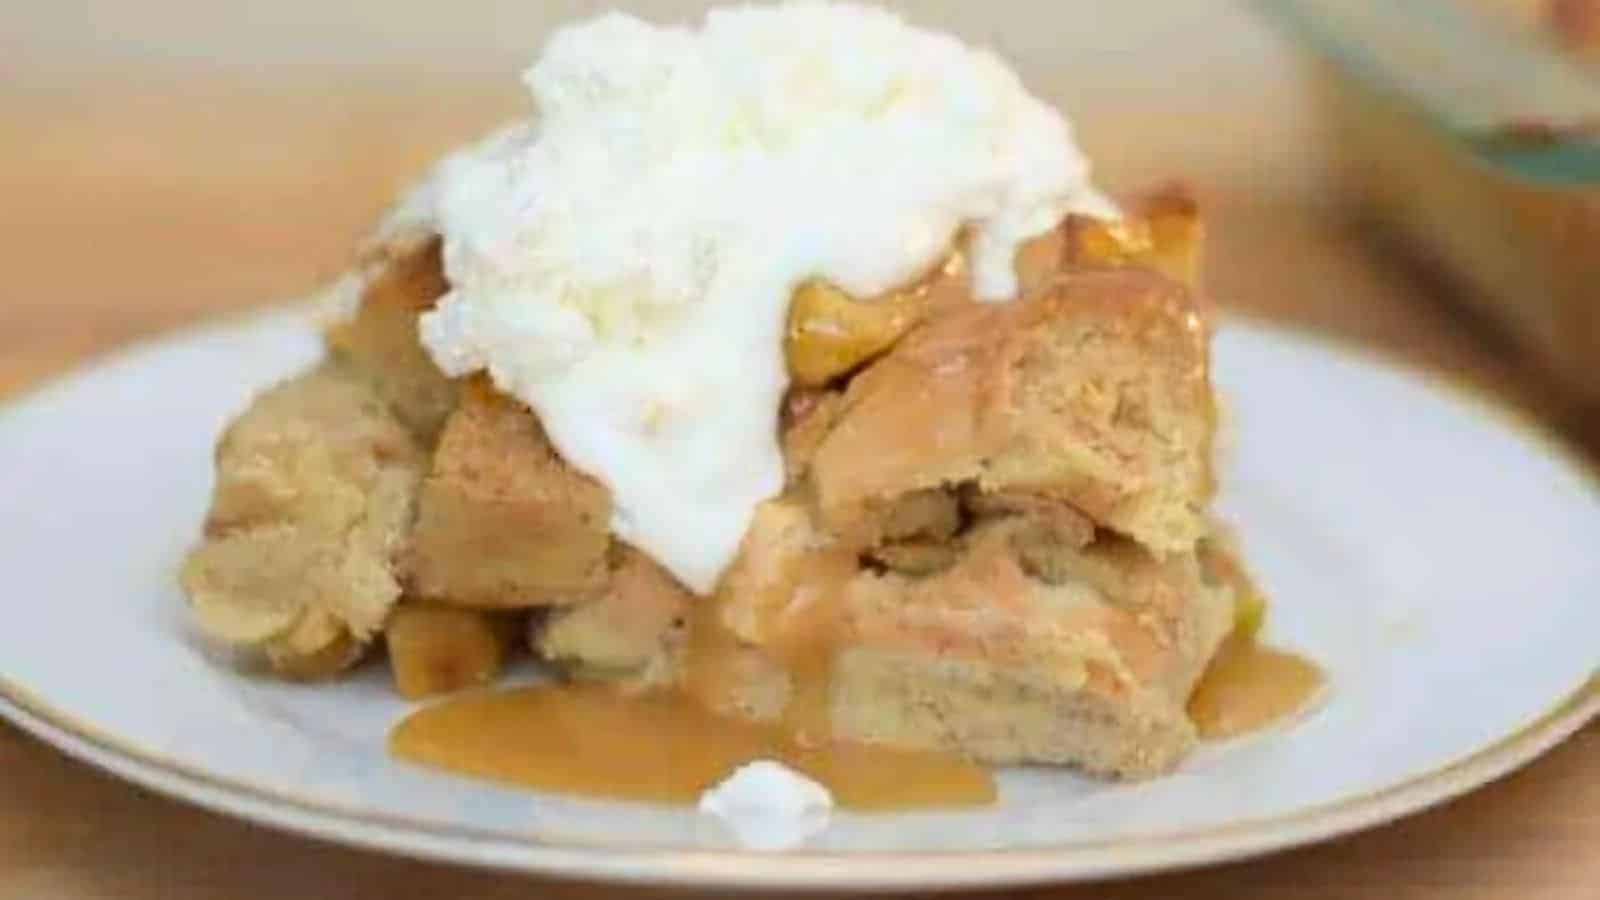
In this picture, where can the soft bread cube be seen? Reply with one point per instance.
(439, 649)
(1087, 660)
(1093, 668)
(380, 341)
(630, 630)
(502, 521)
(1094, 391)
(316, 483)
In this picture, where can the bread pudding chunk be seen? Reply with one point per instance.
(502, 520)
(787, 376)
(995, 547)
(316, 485)
(1093, 391)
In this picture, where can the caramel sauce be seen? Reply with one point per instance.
(800, 628)
(670, 746)
(805, 639)
(1249, 687)
(711, 658)
(661, 748)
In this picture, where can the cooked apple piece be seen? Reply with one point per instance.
(831, 333)
(438, 649)
(317, 648)
(1249, 613)
(1161, 232)
(1177, 235)
(1106, 242)
(502, 520)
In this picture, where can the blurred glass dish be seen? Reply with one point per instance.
(1572, 25)
(1478, 145)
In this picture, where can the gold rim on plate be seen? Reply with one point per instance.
(641, 863)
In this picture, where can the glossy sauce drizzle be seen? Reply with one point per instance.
(1249, 687)
(661, 748)
(669, 747)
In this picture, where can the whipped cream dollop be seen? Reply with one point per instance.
(623, 262)
(769, 806)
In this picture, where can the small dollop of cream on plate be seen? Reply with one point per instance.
(769, 806)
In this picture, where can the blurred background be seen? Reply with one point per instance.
(173, 159)
(165, 161)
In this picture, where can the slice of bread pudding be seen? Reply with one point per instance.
(990, 539)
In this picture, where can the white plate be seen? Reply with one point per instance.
(1439, 563)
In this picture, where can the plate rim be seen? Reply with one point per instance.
(872, 871)
(810, 869)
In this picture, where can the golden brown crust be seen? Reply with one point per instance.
(1161, 232)
(997, 659)
(502, 520)
(983, 655)
(1094, 391)
(314, 496)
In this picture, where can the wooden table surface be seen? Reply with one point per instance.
(133, 210)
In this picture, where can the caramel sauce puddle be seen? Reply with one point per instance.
(669, 746)
(1249, 687)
